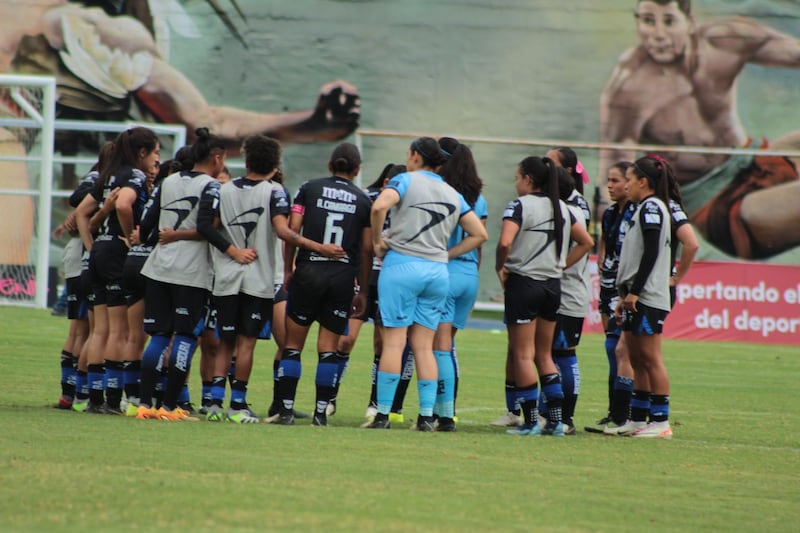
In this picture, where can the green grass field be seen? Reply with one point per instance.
(733, 465)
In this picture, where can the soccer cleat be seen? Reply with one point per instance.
(380, 421)
(133, 407)
(599, 426)
(242, 416)
(214, 413)
(145, 413)
(188, 407)
(107, 409)
(654, 430)
(371, 411)
(95, 408)
(508, 420)
(523, 430)
(330, 409)
(555, 430)
(175, 415)
(569, 429)
(79, 406)
(320, 419)
(624, 429)
(397, 418)
(64, 402)
(424, 424)
(446, 425)
(281, 419)
(300, 414)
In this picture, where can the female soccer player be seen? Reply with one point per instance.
(644, 290)
(530, 259)
(414, 282)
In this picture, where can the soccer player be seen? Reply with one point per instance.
(249, 207)
(134, 151)
(414, 281)
(532, 252)
(643, 283)
(179, 273)
(334, 212)
(460, 172)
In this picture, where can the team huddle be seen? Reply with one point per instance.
(168, 257)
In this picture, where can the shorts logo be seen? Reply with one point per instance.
(340, 313)
(255, 316)
(182, 311)
(523, 321)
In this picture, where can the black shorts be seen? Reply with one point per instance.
(321, 292)
(106, 263)
(242, 314)
(280, 294)
(646, 321)
(77, 306)
(133, 282)
(172, 308)
(608, 301)
(527, 299)
(672, 295)
(568, 332)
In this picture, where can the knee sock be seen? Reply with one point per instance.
(621, 400)
(342, 360)
(512, 403)
(526, 398)
(238, 394)
(180, 360)
(611, 353)
(68, 374)
(640, 405)
(326, 379)
(184, 396)
(426, 388)
(567, 363)
(289, 371)
(275, 364)
(217, 390)
(405, 379)
(205, 394)
(373, 393)
(553, 392)
(659, 407)
(114, 381)
(445, 391)
(457, 375)
(96, 377)
(151, 364)
(132, 375)
(81, 385)
(387, 389)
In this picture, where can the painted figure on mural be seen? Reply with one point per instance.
(678, 87)
(110, 61)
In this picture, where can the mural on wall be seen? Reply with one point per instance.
(110, 59)
(709, 73)
(678, 87)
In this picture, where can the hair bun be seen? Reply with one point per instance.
(202, 133)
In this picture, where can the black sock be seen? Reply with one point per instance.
(373, 393)
(640, 405)
(289, 375)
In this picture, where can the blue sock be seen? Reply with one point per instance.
(427, 396)
(445, 392)
(238, 394)
(218, 390)
(152, 354)
(526, 398)
(512, 405)
(567, 363)
(553, 392)
(290, 370)
(387, 386)
(81, 385)
(96, 379)
(205, 392)
(184, 396)
(659, 407)
(326, 380)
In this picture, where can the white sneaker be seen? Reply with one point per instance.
(625, 429)
(371, 412)
(508, 420)
(654, 430)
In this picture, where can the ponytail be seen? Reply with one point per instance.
(552, 193)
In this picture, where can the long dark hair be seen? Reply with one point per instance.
(459, 171)
(544, 175)
(569, 160)
(657, 172)
(389, 171)
(125, 152)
